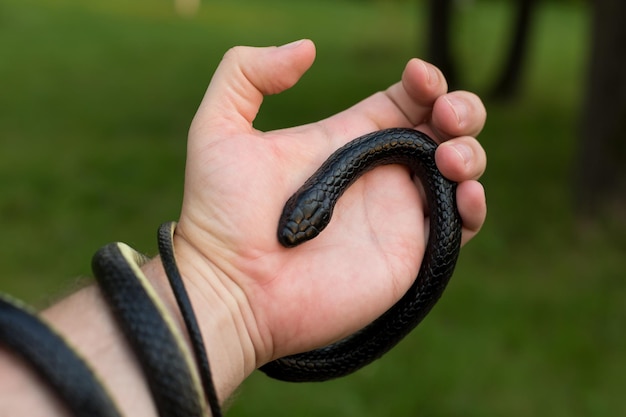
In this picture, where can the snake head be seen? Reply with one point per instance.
(305, 215)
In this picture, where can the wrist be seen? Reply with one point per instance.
(219, 310)
(222, 313)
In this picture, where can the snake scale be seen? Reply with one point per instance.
(182, 384)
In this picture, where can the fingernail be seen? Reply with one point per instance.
(433, 75)
(458, 107)
(464, 151)
(293, 44)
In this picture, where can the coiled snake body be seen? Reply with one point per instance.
(175, 384)
(308, 212)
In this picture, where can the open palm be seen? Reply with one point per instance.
(238, 180)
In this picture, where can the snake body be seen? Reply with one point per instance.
(169, 364)
(309, 211)
(49, 355)
(158, 343)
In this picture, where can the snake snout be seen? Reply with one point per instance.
(304, 220)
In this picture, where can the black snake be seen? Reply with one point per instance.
(181, 386)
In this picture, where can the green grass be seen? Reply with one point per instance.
(95, 101)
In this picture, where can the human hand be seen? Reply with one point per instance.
(282, 300)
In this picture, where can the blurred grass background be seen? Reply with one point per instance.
(95, 101)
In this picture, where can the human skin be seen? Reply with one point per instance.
(255, 300)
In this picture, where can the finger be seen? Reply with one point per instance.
(459, 113)
(422, 83)
(461, 159)
(472, 205)
(243, 77)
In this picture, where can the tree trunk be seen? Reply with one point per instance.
(600, 182)
(439, 38)
(510, 77)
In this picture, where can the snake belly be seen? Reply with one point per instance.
(309, 211)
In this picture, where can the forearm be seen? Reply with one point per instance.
(86, 322)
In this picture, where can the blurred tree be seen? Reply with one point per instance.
(440, 53)
(600, 182)
(510, 76)
(438, 38)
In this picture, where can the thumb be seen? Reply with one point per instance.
(243, 77)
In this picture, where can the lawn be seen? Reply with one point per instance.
(95, 101)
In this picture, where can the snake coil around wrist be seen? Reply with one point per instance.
(179, 378)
